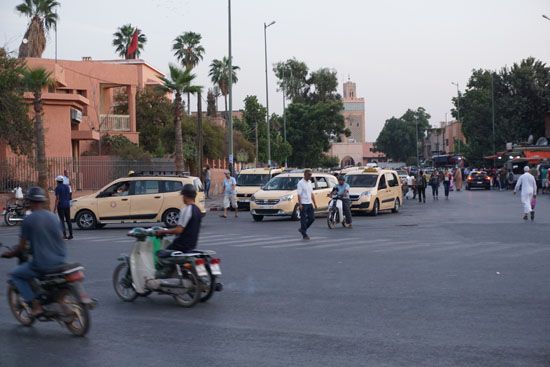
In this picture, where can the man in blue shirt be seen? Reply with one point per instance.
(63, 206)
(41, 236)
(342, 190)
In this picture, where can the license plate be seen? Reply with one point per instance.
(244, 201)
(215, 269)
(265, 206)
(201, 271)
(479, 182)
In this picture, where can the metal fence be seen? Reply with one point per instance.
(85, 173)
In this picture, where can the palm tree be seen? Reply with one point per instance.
(43, 16)
(188, 52)
(35, 80)
(219, 74)
(123, 37)
(180, 81)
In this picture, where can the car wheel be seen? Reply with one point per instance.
(171, 217)
(257, 218)
(85, 219)
(396, 206)
(376, 208)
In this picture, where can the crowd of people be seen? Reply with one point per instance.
(416, 183)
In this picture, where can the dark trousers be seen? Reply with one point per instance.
(435, 190)
(446, 185)
(307, 217)
(65, 216)
(421, 194)
(346, 204)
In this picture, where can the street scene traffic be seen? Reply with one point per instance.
(293, 184)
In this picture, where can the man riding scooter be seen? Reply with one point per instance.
(342, 190)
(41, 234)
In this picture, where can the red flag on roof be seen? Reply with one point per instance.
(132, 49)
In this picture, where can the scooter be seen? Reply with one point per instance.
(61, 295)
(336, 212)
(14, 213)
(188, 277)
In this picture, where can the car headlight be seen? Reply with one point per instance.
(287, 197)
(366, 194)
(252, 198)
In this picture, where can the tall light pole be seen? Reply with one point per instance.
(284, 108)
(545, 17)
(493, 115)
(417, 157)
(267, 96)
(230, 87)
(457, 109)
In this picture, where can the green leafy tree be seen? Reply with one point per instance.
(154, 112)
(15, 126)
(43, 16)
(521, 99)
(292, 77)
(397, 140)
(123, 38)
(219, 74)
(120, 146)
(179, 81)
(189, 52)
(35, 80)
(323, 84)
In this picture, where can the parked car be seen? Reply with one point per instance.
(478, 179)
(135, 199)
(374, 189)
(250, 181)
(279, 197)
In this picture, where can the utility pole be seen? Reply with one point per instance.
(199, 135)
(416, 144)
(457, 109)
(257, 150)
(267, 96)
(230, 87)
(493, 116)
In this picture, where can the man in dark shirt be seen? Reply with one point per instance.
(63, 206)
(189, 223)
(41, 235)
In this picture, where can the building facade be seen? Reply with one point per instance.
(84, 102)
(445, 139)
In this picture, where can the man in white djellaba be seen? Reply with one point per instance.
(528, 186)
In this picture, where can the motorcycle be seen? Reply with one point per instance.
(188, 277)
(336, 212)
(14, 213)
(61, 295)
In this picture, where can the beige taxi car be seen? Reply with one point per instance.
(374, 189)
(249, 181)
(279, 197)
(135, 199)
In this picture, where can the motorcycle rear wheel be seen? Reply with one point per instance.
(209, 283)
(80, 323)
(122, 282)
(192, 295)
(8, 218)
(19, 311)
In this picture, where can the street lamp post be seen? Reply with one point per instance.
(457, 109)
(493, 116)
(417, 157)
(267, 96)
(545, 17)
(230, 88)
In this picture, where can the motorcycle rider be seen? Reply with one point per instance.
(342, 190)
(41, 234)
(189, 223)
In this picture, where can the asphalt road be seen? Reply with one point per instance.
(463, 282)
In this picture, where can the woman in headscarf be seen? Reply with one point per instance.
(458, 179)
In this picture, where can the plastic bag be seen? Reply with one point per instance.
(533, 203)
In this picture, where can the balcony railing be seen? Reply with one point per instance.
(115, 122)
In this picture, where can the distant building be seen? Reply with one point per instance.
(354, 113)
(441, 140)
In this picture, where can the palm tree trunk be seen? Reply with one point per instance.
(40, 142)
(188, 104)
(179, 139)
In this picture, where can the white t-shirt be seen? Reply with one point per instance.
(305, 190)
(410, 180)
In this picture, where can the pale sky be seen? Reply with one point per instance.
(401, 53)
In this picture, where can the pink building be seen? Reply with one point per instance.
(81, 105)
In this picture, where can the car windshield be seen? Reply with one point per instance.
(252, 180)
(282, 183)
(361, 180)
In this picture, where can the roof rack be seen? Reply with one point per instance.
(162, 173)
